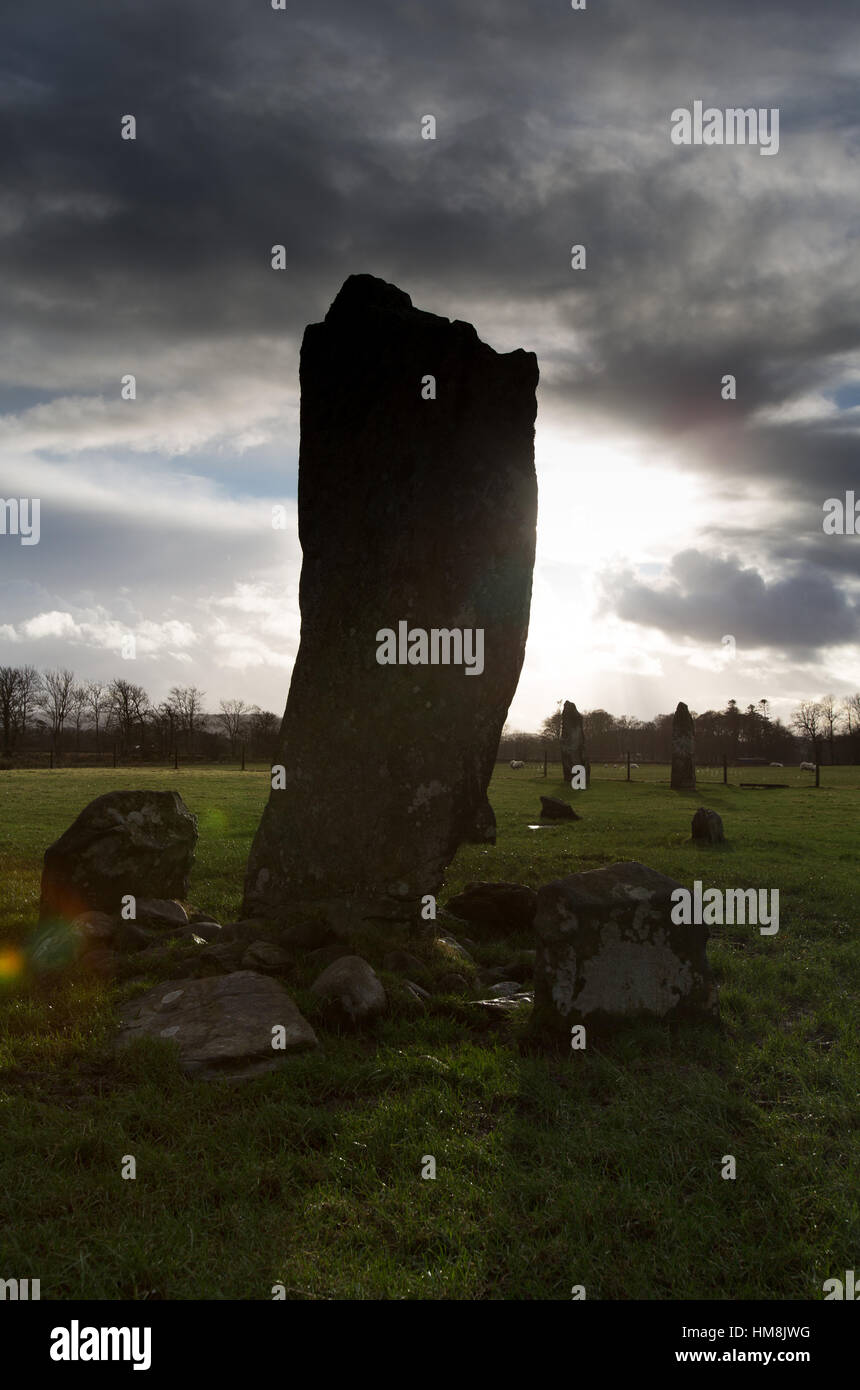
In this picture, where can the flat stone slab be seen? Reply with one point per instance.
(609, 951)
(222, 1026)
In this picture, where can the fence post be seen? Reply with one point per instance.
(176, 759)
(818, 774)
(725, 770)
(243, 757)
(628, 767)
(114, 755)
(544, 760)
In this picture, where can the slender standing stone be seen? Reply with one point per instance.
(417, 511)
(573, 742)
(683, 757)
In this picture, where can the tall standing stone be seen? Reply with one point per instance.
(683, 756)
(417, 507)
(573, 742)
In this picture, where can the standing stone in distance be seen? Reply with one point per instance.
(707, 826)
(573, 743)
(683, 756)
(137, 842)
(415, 511)
(608, 951)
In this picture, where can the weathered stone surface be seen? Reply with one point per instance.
(505, 989)
(482, 828)
(160, 912)
(452, 984)
(222, 955)
(609, 951)
(498, 907)
(498, 1009)
(350, 990)
(307, 935)
(553, 808)
(450, 949)
(93, 930)
(683, 754)
(573, 743)
(138, 842)
(264, 956)
(707, 826)
(411, 511)
(222, 1025)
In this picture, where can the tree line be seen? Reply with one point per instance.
(826, 730)
(54, 710)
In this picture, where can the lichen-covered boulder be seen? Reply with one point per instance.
(125, 842)
(608, 951)
(351, 991)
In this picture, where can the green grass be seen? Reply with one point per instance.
(599, 1168)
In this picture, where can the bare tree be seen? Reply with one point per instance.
(851, 712)
(128, 706)
(187, 700)
(55, 699)
(98, 702)
(831, 716)
(231, 717)
(31, 689)
(808, 721)
(77, 710)
(10, 699)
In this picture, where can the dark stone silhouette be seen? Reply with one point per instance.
(412, 510)
(683, 755)
(707, 827)
(137, 842)
(553, 808)
(573, 743)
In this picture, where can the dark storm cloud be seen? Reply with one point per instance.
(708, 597)
(302, 128)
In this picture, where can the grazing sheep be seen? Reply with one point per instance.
(515, 763)
(777, 764)
(634, 767)
(807, 767)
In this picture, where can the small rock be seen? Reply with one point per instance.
(160, 912)
(402, 963)
(554, 809)
(223, 1026)
(199, 931)
(416, 991)
(93, 929)
(203, 919)
(450, 947)
(130, 936)
(452, 984)
(263, 956)
(350, 991)
(496, 906)
(505, 989)
(224, 955)
(499, 1008)
(707, 827)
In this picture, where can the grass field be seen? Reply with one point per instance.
(599, 1168)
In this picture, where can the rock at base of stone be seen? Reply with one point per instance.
(683, 776)
(350, 991)
(608, 951)
(707, 827)
(125, 842)
(222, 1026)
(497, 907)
(553, 808)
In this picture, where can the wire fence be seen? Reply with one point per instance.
(754, 774)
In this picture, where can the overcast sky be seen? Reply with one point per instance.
(670, 519)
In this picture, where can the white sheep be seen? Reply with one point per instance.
(634, 767)
(516, 764)
(777, 764)
(807, 767)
